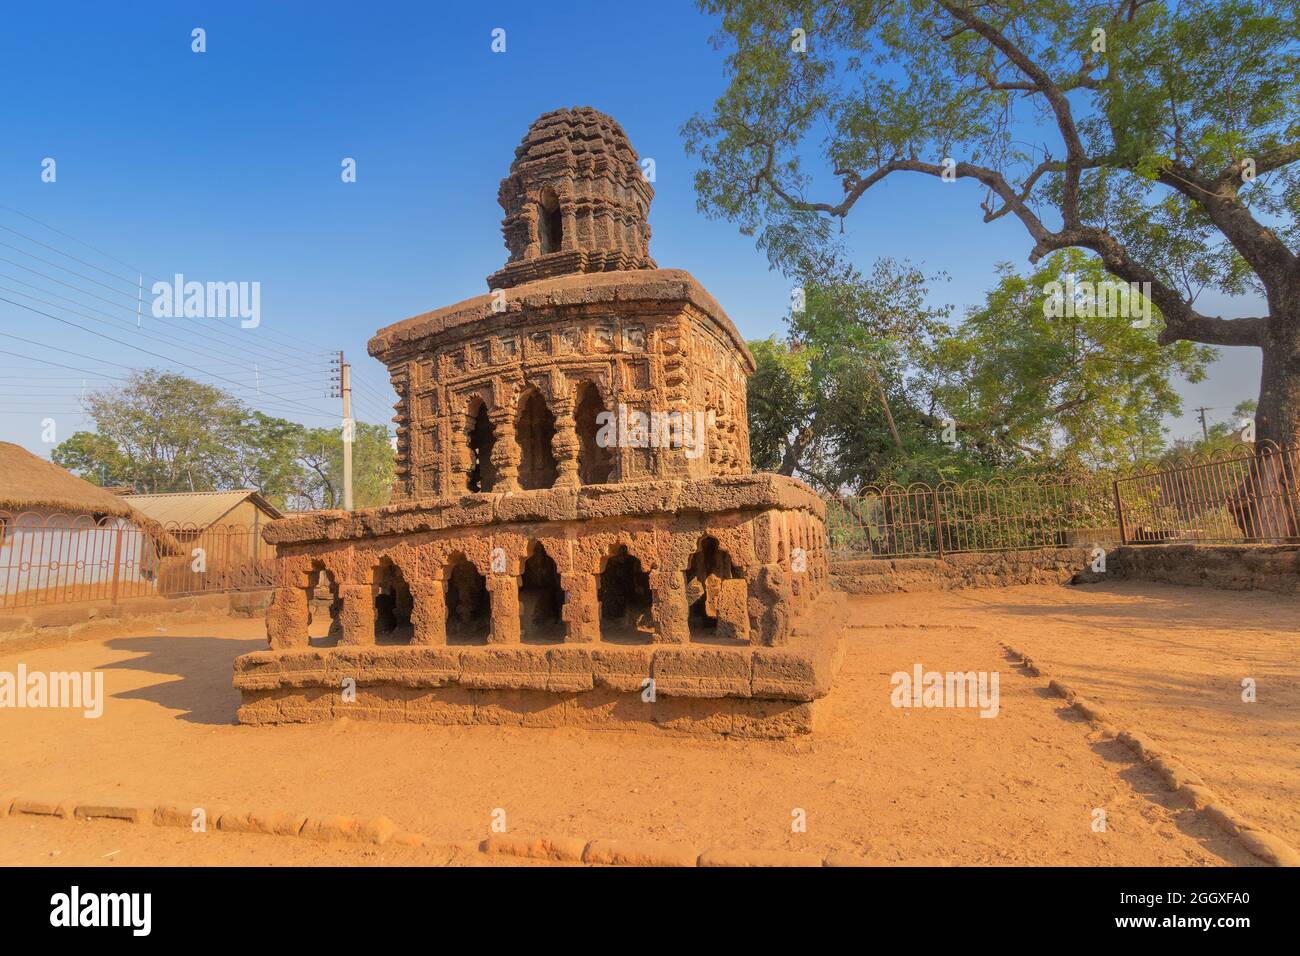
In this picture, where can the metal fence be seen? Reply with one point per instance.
(58, 557)
(1241, 495)
(1238, 496)
(996, 515)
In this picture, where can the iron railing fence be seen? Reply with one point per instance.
(1239, 496)
(58, 557)
(921, 520)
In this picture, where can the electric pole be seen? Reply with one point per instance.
(1205, 431)
(344, 381)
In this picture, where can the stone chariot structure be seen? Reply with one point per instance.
(575, 535)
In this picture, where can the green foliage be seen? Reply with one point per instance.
(164, 432)
(830, 404)
(871, 386)
(1200, 83)
(1078, 392)
(1128, 128)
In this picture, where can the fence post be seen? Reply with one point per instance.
(117, 557)
(938, 522)
(1119, 512)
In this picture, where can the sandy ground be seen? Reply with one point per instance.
(1182, 683)
(920, 786)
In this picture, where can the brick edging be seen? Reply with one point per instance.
(382, 831)
(1177, 777)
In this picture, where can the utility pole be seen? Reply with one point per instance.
(1205, 431)
(344, 382)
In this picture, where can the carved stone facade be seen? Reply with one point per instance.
(574, 519)
(650, 342)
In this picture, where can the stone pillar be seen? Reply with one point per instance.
(670, 610)
(733, 610)
(565, 443)
(505, 450)
(287, 618)
(581, 610)
(460, 463)
(358, 614)
(569, 241)
(504, 591)
(429, 615)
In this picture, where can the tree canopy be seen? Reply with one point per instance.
(163, 432)
(1160, 135)
(870, 384)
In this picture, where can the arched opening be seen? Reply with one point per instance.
(482, 473)
(550, 225)
(624, 595)
(595, 463)
(541, 599)
(392, 604)
(534, 429)
(324, 626)
(707, 595)
(469, 606)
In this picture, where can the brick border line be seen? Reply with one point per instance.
(381, 831)
(1177, 777)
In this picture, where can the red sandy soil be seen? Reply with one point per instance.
(45, 841)
(1182, 685)
(897, 786)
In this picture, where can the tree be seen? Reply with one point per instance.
(831, 403)
(1073, 388)
(158, 432)
(1174, 126)
(870, 386)
(162, 432)
(320, 456)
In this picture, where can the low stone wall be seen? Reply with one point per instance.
(1233, 567)
(85, 618)
(699, 689)
(977, 570)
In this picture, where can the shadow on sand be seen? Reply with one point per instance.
(202, 668)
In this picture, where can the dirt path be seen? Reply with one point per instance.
(896, 785)
(1180, 681)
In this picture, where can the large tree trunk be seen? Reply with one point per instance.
(1266, 505)
(1278, 417)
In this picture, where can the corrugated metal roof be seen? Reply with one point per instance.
(198, 508)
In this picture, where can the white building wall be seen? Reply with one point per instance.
(47, 549)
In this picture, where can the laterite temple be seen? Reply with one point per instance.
(575, 535)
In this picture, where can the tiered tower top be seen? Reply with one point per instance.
(576, 200)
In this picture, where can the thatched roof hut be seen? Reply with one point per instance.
(30, 483)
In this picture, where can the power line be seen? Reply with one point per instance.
(132, 309)
(295, 350)
(130, 346)
(274, 354)
(238, 360)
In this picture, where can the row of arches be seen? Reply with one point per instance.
(624, 599)
(534, 434)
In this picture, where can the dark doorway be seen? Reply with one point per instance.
(595, 464)
(534, 430)
(482, 473)
(550, 225)
(392, 604)
(624, 595)
(469, 617)
(541, 599)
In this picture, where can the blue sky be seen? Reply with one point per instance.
(225, 165)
